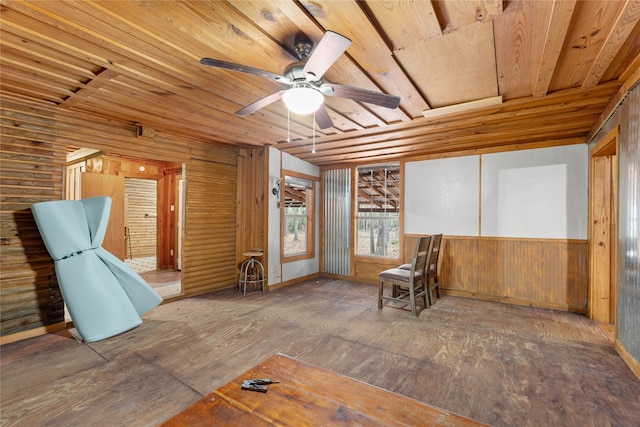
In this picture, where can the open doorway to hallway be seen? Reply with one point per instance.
(141, 236)
(144, 229)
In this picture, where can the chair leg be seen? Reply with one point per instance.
(380, 295)
(435, 286)
(424, 295)
(412, 298)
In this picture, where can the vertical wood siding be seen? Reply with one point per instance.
(544, 273)
(251, 221)
(168, 227)
(31, 172)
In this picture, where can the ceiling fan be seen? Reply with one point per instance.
(307, 87)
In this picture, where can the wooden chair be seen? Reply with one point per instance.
(432, 269)
(408, 285)
(422, 244)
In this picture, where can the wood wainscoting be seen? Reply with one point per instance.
(549, 273)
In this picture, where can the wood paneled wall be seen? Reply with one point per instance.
(367, 269)
(210, 231)
(31, 172)
(547, 273)
(34, 141)
(167, 252)
(251, 212)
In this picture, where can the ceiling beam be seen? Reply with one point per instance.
(559, 23)
(463, 107)
(102, 77)
(627, 19)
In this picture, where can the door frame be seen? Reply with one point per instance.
(603, 230)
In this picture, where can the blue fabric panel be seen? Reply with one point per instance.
(94, 209)
(96, 302)
(63, 227)
(104, 296)
(141, 295)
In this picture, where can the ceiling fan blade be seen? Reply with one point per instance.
(261, 103)
(331, 46)
(322, 118)
(360, 95)
(244, 69)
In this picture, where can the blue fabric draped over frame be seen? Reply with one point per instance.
(104, 296)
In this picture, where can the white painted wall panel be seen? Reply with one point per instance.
(295, 164)
(541, 193)
(274, 270)
(292, 270)
(442, 196)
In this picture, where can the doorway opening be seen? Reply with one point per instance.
(144, 229)
(141, 236)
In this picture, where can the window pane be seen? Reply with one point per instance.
(378, 236)
(297, 226)
(295, 234)
(378, 213)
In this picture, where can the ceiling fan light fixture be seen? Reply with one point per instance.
(303, 99)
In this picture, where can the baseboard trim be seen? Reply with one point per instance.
(514, 301)
(291, 282)
(31, 333)
(633, 364)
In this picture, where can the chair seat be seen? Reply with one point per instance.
(406, 266)
(400, 274)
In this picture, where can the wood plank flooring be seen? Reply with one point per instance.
(500, 364)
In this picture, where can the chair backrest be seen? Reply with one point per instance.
(423, 243)
(432, 268)
(422, 255)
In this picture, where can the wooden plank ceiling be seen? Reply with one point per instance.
(474, 74)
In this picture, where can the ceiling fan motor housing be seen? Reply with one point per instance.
(294, 72)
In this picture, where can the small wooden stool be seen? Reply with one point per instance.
(251, 272)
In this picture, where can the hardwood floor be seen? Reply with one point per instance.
(167, 283)
(500, 364)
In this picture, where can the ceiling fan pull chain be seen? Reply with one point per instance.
(313, 151)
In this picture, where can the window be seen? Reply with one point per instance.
(378, 211)
(297, 217)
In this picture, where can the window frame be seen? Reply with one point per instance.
(311, 217)
(357, 217)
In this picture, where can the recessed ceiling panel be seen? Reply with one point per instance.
(459, 67)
